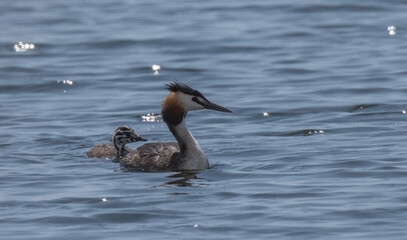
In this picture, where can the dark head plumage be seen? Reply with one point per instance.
(183, 99)
(124, 129)
(181, 87)
(123, 135)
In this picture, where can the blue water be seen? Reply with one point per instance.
(315, 147)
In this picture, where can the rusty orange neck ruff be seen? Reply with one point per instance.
(172, 111)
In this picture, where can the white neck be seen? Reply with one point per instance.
(191, 156)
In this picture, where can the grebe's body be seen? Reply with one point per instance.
(151, 157)
(184, 155)
(105, 150)
(121, 136)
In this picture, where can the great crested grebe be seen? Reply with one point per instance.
(187, 154)
(121, 136)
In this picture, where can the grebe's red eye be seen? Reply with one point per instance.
(194, 99)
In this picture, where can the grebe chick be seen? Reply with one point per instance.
(187, 154)
(122, 135)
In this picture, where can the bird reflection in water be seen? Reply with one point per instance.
(184, 179)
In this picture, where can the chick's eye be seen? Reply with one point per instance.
(194, 99)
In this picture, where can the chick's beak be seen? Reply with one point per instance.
(140, 138)
(136, 138)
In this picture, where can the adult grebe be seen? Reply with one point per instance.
(187, 154)
(121, 136)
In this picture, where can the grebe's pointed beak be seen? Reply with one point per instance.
(213, 106)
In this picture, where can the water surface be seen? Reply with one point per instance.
(314, 149)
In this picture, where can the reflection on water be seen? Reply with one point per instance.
(392, 30)
(22, 47)
(156, 68)
(184, 179)
(151, 117)
(66, 82)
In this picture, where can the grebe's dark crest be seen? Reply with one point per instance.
(180, 87)
(122, 135)
(187, 154)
